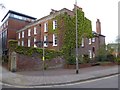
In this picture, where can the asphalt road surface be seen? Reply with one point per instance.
(106, 82)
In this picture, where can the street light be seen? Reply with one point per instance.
(77, 69)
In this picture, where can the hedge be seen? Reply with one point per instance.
(30, 51)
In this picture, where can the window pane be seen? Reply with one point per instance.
(29, 32)
(45, 27)
(90, 54)
(22, 43)
(54, 40)
(54, 24)
(28, 42)
(22, 34)
(34, 42)
(93, 39)
(82, 42)
(89, 40)
(35, 30)
(18, 43)
(45, 41)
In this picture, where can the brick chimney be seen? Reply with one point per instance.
(98, 26)
(77, 8)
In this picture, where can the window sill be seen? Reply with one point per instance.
(54, 45)
(45, 46)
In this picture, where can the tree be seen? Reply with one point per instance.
(102, 53)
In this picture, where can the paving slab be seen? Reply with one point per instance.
(55, 77)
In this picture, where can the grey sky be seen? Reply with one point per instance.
(105, 10)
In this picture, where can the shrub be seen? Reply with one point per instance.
(110, 57)
(71, 59)
(86, 58)
(30, 51)
(101, 58)
(117, 60)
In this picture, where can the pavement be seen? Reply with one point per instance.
(55, 76)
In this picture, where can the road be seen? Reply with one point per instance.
(106, 82)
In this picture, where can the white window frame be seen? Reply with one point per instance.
(93, 39)
(45, 39)
(19, 36)
(93, 55)
(82, 42)
(54, 37)
(90, 41)
(6, 23)
(22, 43)
(29, 42)
(35, 30)
(90, 54)
(54, 24)
(29, 32)
(18, 43)
(34, 42)
(46, 27)
(22, 34)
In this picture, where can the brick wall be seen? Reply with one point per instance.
(35, 63)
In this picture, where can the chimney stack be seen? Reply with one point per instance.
(77, 8)
(98, 26)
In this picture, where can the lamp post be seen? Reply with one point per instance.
(43, 57)
(41, 44)
(77, 69)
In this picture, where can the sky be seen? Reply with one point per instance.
(105, 10)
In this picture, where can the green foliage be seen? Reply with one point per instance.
(30, 51)
(83, 59)
(12, 44)
(110, 50)
(102, 55)
(86, 58)
(110, 57)
(117, 60)
(68, 24)
(87, 28)
(70, 59)
(105, 55)
(50, 26)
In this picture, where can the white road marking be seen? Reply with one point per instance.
(82, 82)
(48, 86)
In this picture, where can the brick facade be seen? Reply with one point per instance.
(35, 63)
(87, 49)
(12, 22)
(28, 32)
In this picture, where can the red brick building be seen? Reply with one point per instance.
(38, 31)
(12, 22)
(90, 46)
(27, 33)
